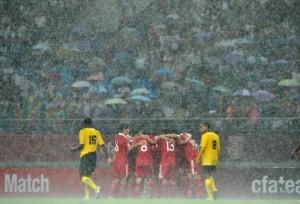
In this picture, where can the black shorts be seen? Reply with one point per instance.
(87, 164)
(208, 169)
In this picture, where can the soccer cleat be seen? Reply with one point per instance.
(110, 197)
(209, 199)
(215, 193)
(97, 193)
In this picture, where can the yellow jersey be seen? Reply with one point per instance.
(210, 145)
(90, 138)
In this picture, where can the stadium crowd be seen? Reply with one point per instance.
(174, 60)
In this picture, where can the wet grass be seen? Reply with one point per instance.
(139, 201)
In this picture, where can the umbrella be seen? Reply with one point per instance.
(115, 101)
(42, 47)
(268, 82)
(222, 89)
(293, 40)
(96, 77)
(225, 44)
(280, 62)
(212, 61)
(257, 60)
(98, 89)
(170, 86)
(69, 53)
(140, 91)
(262, 95)
(4, 59)
(140, 98)
(242, 92)
(123, 60)
(196, 84)
(81, 84)
(275, 42)
(235, 58)
(164, 71)
(121, 80)
(129, 34)
(289, 82)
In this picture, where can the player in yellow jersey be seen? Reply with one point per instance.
(209, 157)
(89, 139)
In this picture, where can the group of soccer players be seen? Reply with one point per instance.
(164, 165)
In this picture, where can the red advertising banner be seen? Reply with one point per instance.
(48, 181)
(231, 182)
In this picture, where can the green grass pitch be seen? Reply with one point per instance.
(139, 201)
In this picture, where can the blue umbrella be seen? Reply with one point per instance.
(121, 80)
(235, 58)
(280, 62)
(164, 71)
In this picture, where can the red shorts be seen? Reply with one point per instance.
(167, 171)
(120, 170)
(193, 167)
(144, 171)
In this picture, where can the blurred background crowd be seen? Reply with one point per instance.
(179, 59)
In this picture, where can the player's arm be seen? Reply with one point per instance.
(164, 137)
(81, 143)
(104, 149)
(175, 136)
(150, 140)
(202, 149)
(77, 148)
(295, 151)
(135, 145)
(186, 140)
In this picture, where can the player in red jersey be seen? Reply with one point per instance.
(120, 162)
(190, 151)
(156, 157)
(167, 165)
(143, 168)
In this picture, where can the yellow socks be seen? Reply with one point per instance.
(87, 192)
(213, 187)
(208, 186)
(88, 181)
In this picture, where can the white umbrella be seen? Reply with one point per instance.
(81, 84)
(140, 91)
(242, 92)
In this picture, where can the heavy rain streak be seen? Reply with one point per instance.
(152, 72)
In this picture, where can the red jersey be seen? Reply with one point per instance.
(121, 144)
(167, 151)
(144, 154)
(190, 148)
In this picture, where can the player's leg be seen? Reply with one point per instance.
(148, 173)
(87, 166)
(115, 182)
(87, 192)
(123, 180)
(207, 173)
(198, 185)
(195, 170)
(164, 176)
(172, 176)
(137, 189)
(213, 187)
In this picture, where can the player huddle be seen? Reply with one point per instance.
(167, 164)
